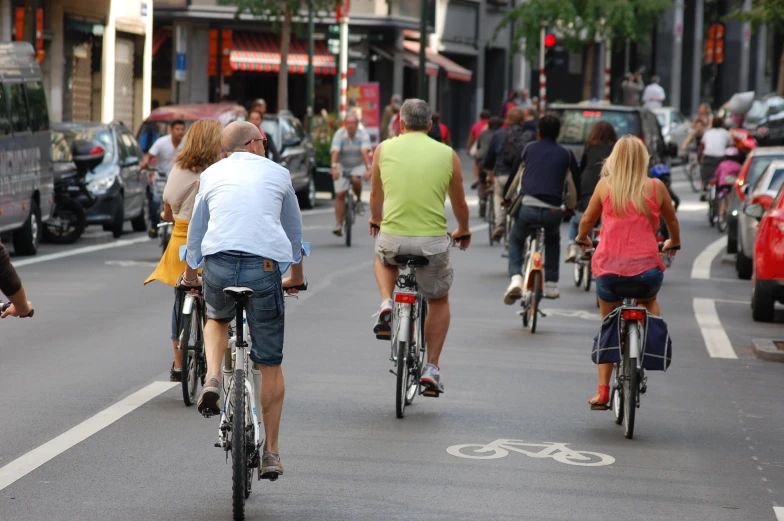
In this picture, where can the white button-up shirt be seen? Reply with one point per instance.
(246, 203)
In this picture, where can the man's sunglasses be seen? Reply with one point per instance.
(262, 139)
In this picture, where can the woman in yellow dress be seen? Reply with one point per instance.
(200, 149)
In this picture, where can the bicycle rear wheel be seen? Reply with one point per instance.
(712, 205)
(348, 218)
(630, 385)
(533, 306)
(401, 385)
(721, 215)
(490, 212)
(239, 458)
(616, 395)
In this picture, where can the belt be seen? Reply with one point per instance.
(241, 254)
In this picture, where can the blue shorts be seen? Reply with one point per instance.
(265, 308)
(653, 278)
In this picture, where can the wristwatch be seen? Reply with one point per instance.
(335, 165)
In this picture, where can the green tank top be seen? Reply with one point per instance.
(415, 173)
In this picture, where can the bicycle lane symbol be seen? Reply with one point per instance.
(560, 452)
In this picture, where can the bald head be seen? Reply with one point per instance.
(239, 136)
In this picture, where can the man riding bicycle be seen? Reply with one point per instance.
(410, 178)
(350, 149)
(546, 165)
(246, 229)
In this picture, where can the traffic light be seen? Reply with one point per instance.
(549, 50)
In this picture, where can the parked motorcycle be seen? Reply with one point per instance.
(69, 220)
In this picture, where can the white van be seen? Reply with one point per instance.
(26, 177)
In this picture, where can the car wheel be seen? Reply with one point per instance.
(744, 265)
(118, 221)
(307, 197)
(27, 238)
(143, 219)
(762, 303)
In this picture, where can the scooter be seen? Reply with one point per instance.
(68, 219)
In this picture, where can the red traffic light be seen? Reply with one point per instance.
(549, 40)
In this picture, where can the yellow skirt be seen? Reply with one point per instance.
(171, 267)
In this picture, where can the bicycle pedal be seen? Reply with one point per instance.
(600, 407)
(542, 313)
(384, 335)
(431, 393)
(392, 371)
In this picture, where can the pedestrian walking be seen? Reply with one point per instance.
(439, 131)
(525, 101)
(472, 145)
(632, 88)
(653, 96)
(389, 113)
(509, 102)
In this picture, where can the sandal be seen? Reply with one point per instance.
(602, 402)
(175, 375)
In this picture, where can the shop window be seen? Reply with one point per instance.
(36, 99)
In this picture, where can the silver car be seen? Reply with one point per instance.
(675, 128)
(769, 184)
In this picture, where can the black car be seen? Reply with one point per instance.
(765, 120)
(119, 190)
(296, 153)
(577, 120)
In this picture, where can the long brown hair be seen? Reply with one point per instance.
(603, 133)
(201, 146)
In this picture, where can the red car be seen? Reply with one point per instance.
(768, 278)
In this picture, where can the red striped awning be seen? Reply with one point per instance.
(260, 52)
(453, 70)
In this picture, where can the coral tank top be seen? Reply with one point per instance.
(627, 245)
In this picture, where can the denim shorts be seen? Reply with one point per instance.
(653, 278)
(264, 313)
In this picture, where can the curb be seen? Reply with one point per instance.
(94, 238)
(765, 349)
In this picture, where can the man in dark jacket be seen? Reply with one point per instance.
(500, 169)
(547, 164)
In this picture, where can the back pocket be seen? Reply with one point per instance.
(267, 304)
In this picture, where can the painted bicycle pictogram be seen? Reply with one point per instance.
(560, 452)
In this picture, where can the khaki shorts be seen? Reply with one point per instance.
(435, 279)
(342, 184)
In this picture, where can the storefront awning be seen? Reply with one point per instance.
(452, 69)
(409, 59)
(260, 52)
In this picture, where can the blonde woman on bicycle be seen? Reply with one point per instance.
(630, 205)
(201, 148)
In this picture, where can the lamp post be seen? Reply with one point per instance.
(422, 48)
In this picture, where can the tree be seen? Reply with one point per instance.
(580, 22)
(283, 11)
(765, 12)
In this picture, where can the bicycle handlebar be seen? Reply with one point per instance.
(6, 305)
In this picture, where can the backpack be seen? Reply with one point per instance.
(515, 141)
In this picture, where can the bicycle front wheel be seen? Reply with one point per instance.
(630, 383)
(490, 212)
(190, 379)
(533, 306)
(348, 218)
(587, 276)
(239, 458)
(417, 356)
(578, 274)
(401, 386)
(693, 173)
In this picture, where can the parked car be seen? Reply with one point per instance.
(756, 163)
(765, 120)
(157, 123)
(296, 152)
(577, 120)
(675, 128)
(120, 190)
(26, 177)
(763, 193)
(768, 282)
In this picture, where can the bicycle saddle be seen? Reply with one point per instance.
(630, 289)
(237, 291)
(411, 260)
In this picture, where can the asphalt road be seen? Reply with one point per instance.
(708, 442)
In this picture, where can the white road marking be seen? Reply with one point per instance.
(729, 301)
(79, 251)
(779, 511)
(130, 263)
(560, 452)
(27, 463)
(716, 340)
(702, 264)
(690, 206)
(573, 313)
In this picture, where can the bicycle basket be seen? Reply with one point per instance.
(607, 344)
(657, 345)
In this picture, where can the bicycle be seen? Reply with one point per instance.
(692, 172)
(490, 212)
(533, 277)
(722, 196)
(712, 202)
(193, 316)
(350, 213)
(239, 431)
(583, 273)
(408, 346)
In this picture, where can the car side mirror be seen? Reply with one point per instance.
(87, 154)
(131, 161)
(755, 210)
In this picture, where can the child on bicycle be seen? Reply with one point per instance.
(729, 169)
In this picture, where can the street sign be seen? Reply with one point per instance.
(333, 46)
(180, 73)
(333, 29)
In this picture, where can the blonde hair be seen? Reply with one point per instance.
(626, 171)
(201, 146)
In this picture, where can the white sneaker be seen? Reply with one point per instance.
(572, 252)
(515, 290)
(551, 290)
